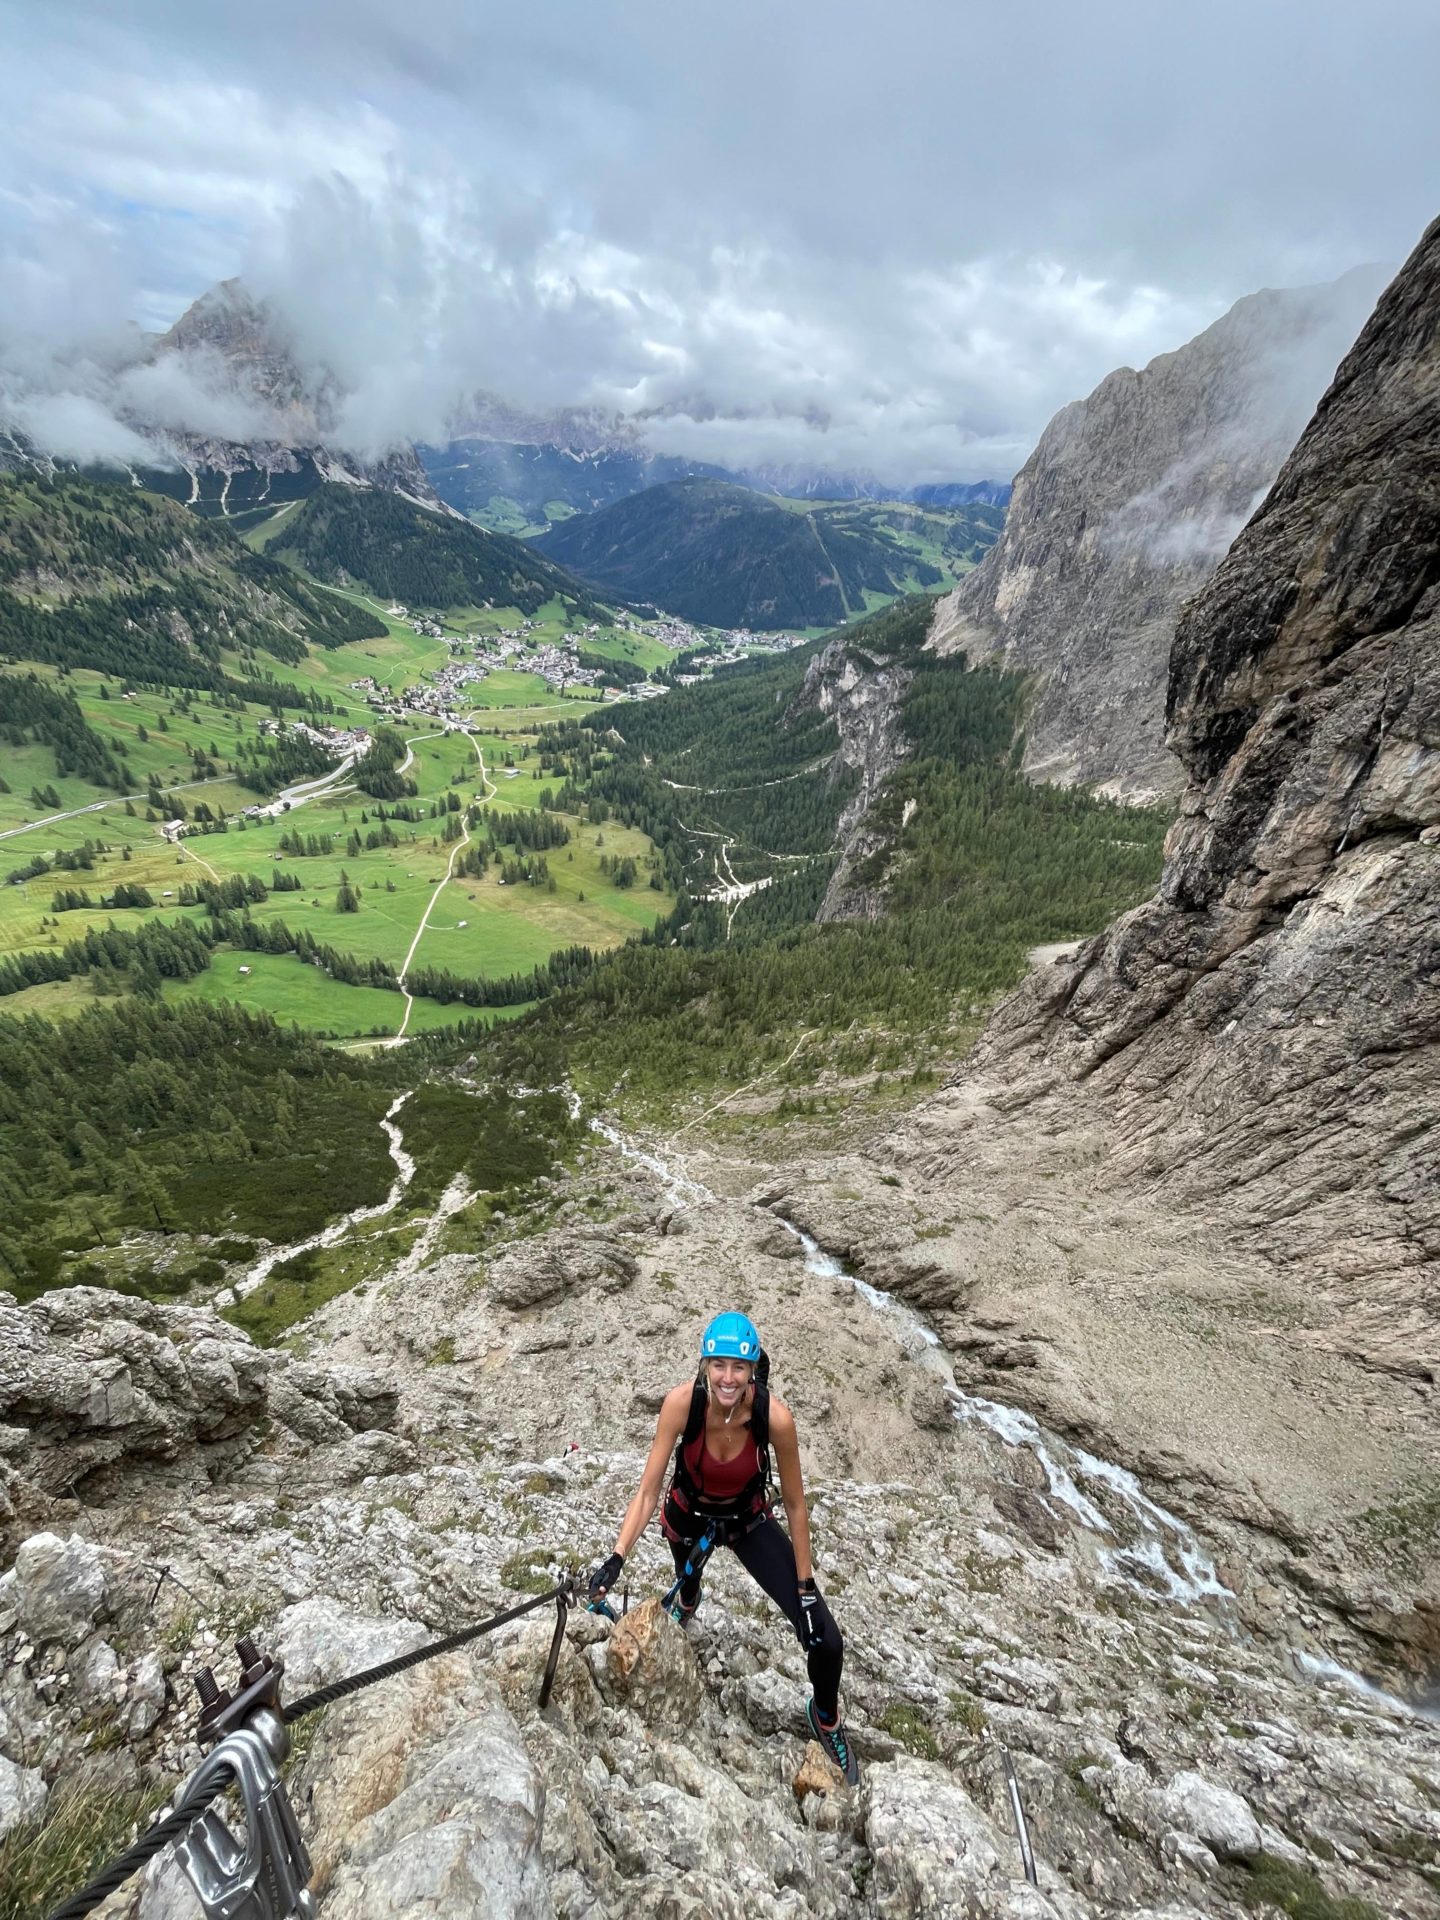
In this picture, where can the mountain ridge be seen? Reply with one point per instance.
(1124, 509)
(727, 556)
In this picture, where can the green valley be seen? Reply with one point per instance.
(726, 556)
(135, 803)
(415, 836)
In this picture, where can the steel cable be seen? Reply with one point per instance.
(338, 1689)
(189, 1807)
(183, 1814)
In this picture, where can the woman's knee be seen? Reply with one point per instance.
(833, 1640)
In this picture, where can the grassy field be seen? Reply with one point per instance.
(478, 927)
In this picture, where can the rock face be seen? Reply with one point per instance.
(1170, 1749)
(95, 1386)
(864, 697)
(555, 1264)
(1123, 511)
(1265, 1033)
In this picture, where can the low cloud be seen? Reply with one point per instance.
(1264, 367)
(401, 292)
(193, 393)
(73, 426)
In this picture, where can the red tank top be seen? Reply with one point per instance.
(720, 1480)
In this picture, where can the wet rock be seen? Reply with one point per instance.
(1031, 1514)
(777, 1243)
(929, 1408)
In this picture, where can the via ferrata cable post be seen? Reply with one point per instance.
(266, 1874)
(1017, 1811)
(565, 1593)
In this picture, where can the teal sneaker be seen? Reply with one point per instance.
(683, 1615)
(834, 1744)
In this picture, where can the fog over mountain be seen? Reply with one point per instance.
(829, 238)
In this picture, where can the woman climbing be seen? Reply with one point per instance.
(720, 1429)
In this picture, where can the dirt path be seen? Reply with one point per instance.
(188, 854)
(488, 791)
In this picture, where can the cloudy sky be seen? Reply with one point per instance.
(894, 236)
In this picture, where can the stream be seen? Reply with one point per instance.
(1135, 1539)
(333, 1234)
(1138, 1541)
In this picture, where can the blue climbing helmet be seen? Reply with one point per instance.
(730, 1336)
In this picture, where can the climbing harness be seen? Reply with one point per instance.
(720, 1530)
(694, 1566)
(265, 1875)
(757, 1491)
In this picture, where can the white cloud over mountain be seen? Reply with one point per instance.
(892, 238)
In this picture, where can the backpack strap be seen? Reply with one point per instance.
(695, 1419)
(759, 1492)
(760, 1430)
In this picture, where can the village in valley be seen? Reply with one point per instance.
(558, 662)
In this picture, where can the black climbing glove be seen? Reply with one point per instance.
(812, 1625)
(605, 1576)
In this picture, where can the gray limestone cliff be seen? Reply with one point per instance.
(1265, 1033)
(1123, 511)
(863, 694)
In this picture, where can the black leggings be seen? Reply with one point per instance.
(767, 1556)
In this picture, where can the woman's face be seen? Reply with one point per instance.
(728, 1381)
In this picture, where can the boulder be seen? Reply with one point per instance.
(321, 1641)
(461, 1836)
(1213, 1814)
(817, 1773)
(94, 1673)
(146, 1695)
(559, 1263)
(650, 1666)
(22, 1795)
(934, 1851)
(57, 1588)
